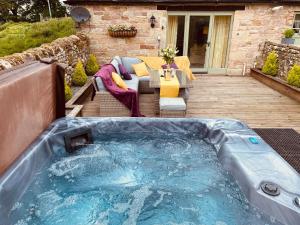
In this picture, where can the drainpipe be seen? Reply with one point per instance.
(244, 69)
(158, 45)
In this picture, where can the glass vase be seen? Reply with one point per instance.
(168, 72)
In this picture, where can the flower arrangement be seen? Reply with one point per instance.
(168, 54)
(121, 27)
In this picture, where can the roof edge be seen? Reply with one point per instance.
(73, 2)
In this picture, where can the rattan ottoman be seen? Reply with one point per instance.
(172, 107)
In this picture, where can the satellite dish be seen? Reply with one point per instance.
(80, 14)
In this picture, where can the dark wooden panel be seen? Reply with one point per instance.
(201, 8)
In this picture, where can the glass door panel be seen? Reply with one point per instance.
(197, 40)
(175, 33)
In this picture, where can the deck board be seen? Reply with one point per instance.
(237, 97)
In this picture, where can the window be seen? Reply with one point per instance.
(296, 25)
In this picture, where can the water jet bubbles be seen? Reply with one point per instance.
(221, 185)
(272, 219)
(221, 223)
(21, 222)
(246, 207)
(17, 205)
(32, 208)
(37, 213)
(258, 215)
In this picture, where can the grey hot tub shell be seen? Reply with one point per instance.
(250, 164)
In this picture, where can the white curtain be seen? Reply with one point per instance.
(172, 31)
(219, 41)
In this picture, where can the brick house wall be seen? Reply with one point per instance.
(145, 42)
(251, 27)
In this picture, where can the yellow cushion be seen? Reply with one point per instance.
(140, 69)
(118, 80)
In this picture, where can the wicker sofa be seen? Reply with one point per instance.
(108, 104)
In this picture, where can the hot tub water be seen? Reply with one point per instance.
(133, 178)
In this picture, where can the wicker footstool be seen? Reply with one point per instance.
(172, 107)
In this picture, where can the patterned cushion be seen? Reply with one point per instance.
(115, 63)
(128, 61)
(118, 58)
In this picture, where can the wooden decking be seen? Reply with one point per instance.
(242, 98)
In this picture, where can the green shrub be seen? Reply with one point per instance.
(18, 37)
(79, 77)
(92, 66)
(288, 33)
(271, 64)
(293, 77)
(68, 92)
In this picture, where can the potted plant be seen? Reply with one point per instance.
(122, 31)
(168, 54)
(288, 34)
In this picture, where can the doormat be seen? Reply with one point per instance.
(285, 141)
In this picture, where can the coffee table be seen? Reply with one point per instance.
(184, 82)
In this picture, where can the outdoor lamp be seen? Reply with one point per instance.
(152, 21)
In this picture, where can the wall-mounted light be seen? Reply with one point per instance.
(152, 21)
(276, 8)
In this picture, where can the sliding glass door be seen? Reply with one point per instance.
(198, 40)
(203, 37)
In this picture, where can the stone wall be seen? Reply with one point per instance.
(66, 50)
(288, 55)
(146, 40)
(254, 26)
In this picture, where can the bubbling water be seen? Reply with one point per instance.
(136, 179)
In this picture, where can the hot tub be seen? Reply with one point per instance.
(150, 171)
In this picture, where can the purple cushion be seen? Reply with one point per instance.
(124, 72)
(173, 65)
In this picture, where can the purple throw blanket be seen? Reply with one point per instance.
(128, 97)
